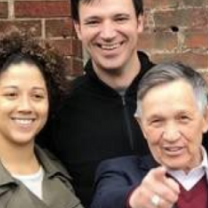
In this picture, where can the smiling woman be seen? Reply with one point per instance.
(32, 80)
(23, 104)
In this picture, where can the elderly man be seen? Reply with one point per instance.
(172, 112)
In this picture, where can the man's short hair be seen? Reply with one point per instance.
(167, 73)
(138, 5)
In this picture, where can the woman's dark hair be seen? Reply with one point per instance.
(17, 47)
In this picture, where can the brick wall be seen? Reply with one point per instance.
(175, 29)
(48, 20)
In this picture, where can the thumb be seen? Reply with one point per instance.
(160, 173)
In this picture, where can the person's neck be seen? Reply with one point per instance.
(119, 78)
(19, 159)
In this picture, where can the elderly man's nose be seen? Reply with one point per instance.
(171, 133)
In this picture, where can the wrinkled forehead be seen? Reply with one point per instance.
(177, 86)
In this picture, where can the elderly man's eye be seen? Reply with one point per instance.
(10, 95)
(184, 118)
(156, 122)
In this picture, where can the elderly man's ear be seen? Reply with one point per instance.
(205, 124)
(142, 127)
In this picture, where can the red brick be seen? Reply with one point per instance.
(3, 10)
(161, 4)
(196, 39)
(197, 61)
(33, 26)
(205, 75)
(189, 44)
(59, 28)
(194, 3)
(194, 18)
(158, 41)
(42, 8)
(74, 67)
(68, 47)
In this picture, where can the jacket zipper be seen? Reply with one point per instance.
(127, 122)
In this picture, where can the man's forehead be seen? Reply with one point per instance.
(165, 86)
(89, 1)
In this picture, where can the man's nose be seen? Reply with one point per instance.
(108, 30)
(171, 133)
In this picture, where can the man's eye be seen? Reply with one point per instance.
(156, 122)
(121, 19)
(11, 95)
(184, 118)
(91, 22)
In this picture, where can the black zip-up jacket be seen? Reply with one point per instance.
(94, 124)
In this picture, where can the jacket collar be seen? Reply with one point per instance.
(50, 163)
(145, 65)
(6, 177)
(147, 162)
(51, 166)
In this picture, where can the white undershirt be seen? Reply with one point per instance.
(188, 181)
(33, 182)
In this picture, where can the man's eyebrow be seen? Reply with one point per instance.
(122, 14)
(92, 17)
(155, 116)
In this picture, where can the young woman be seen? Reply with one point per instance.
(32, 82)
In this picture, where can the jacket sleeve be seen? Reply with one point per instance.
(112, 185)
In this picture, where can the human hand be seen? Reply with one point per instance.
(156, 190)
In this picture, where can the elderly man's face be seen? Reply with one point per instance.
(173, 125)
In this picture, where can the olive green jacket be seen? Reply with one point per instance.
(57, 190)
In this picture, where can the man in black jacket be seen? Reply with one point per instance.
(97, 120)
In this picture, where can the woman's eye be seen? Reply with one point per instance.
(38, 96)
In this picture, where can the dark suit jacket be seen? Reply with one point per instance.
(116, 178)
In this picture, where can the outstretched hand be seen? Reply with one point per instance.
(156, 190)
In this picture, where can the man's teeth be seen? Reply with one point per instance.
(173, 149)
(23, 121)
(110, 47)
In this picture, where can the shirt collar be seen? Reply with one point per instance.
(188, 181)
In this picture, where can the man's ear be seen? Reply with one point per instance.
(205, 122)
(139, 121)
(77, 29)
(140, 26)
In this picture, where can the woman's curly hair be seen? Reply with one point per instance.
(19, 47)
